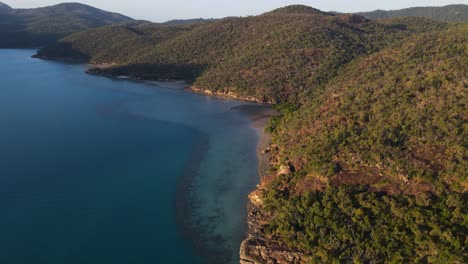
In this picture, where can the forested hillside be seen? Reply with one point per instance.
(274, 57)
(40, 26)
(116, 44)
(450, 13)
(369, 159)
(380, 159)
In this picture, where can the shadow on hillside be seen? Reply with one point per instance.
(186, 72)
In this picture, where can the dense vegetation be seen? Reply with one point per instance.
(113, 44)
(395, 108)
(373, 126)
(263, 56)
(41, 26)
(393, 123)
(349, 224)
(450, 13)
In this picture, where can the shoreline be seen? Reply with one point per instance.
(185, 202)
(259, 116)
(228, 95)
(258, 113)
(259, 121)
(184, 199)
(187, 86)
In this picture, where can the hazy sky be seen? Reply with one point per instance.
(163, 10)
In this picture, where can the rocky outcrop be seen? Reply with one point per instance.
(284, 169)
(231, 95)
(260, 249)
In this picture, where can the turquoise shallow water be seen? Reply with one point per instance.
(92, 169)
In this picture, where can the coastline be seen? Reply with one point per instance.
(229, 95)
(185, 200)
(186, 85)
(256, 248)
(259, 120)
(62, 59)
(259, 115)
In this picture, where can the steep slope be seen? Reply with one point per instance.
(114, 44)
(274, 57)
(376, 163)
(39, 26)
(450, 13)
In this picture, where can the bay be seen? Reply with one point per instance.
(99, 170)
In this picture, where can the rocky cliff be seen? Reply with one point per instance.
(259, 248)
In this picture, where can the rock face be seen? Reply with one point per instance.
(284, 170)
(231, 95)
(259, 249)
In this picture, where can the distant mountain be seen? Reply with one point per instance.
(4, 8)
(179, 22)
(298, 9)
(450, 13)
(39, 26)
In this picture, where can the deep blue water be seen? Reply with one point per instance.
(91, 167)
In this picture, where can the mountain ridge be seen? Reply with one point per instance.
(179, 22)
(251, 49)
(39, 26)
(298, 9)
(69, 8)
(461, 9)
(449, 13)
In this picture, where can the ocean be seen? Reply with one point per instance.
(101, 170)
